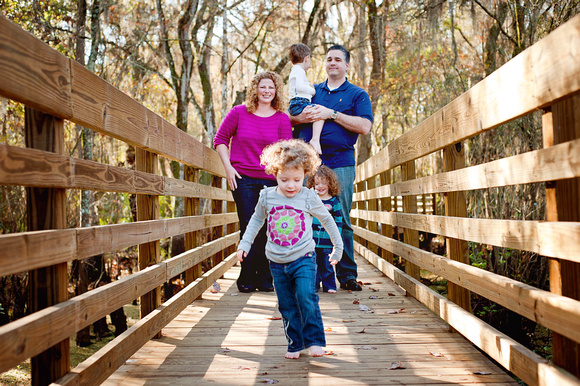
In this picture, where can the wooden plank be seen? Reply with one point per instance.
(29, 167)
(192, 208)
(32, 72)
(535, 78)
(46, 209)
(193, 347)
(553, 163)
(456, 206)
(563, 204)
(35, 333)
(558, 313)
(43, 248)
(524, 363)
(99, 366)
(552, 239)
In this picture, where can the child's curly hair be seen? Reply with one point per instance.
(329, 176)
(290, 153)
(279, 101)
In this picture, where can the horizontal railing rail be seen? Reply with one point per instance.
(545, 76)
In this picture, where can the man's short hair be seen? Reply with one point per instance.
(298, 52)
(338, 47)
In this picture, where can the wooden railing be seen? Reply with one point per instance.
(546, 76)
(54, 89)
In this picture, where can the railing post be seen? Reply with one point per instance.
(386, 230)
(562, 124)
(360, 205)
(456, 206)
(373, 205)
(148, 209)
(411, 236)
(216, 208)
(192, 208)
(46, 209)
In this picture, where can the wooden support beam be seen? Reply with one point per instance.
(410, 206)
(148, 209)
(46, 210)
(562, 124)
(192, 208)
(456, 206)
(386, 230)
(216, 208)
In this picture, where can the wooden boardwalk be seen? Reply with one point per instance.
(232, 338)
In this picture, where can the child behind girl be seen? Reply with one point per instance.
(301, 90)
(326, 184)
(288, 209)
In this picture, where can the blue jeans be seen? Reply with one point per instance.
(346, 267)
(255, 271)
(298, 104)
(325, 270)
(298, 303)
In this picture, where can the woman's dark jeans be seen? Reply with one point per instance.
(255, 272)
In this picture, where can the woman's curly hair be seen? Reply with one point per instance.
(279, 101)
(290, 153)
(327, 175)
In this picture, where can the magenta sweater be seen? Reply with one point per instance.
(249, 134)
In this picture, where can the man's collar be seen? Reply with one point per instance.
(341, 87)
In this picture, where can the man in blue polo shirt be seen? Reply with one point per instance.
(347, 112)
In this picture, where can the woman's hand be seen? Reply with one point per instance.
(231, 175)
(241, 255)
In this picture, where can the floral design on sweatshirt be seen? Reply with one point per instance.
(286, 225)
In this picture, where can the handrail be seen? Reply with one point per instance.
(39, 77)
(545, 75)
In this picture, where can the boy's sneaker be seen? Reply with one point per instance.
(351, 285)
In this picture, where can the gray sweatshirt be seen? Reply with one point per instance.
(289, 228)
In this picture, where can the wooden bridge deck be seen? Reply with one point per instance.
(235, 338)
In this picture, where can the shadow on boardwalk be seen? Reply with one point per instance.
(232, 338)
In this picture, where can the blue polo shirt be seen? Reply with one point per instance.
(337, 143)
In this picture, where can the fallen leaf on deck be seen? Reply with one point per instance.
(437, 355)
(348, 321)
(364, 283)
(328, 329)
(269, 381)
(482, 372)
(243, 368)
(362, 331)
(328, 353)
(374, 289)
(364, 308)
(365, 348)
(215, 287)
(396, 311)
(396, 366)
(235, 294)
(225, 350)
(391, 294)
(275, 318)
(378, 282)
(355, 301)
(374, 297)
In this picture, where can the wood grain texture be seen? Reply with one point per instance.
(554, 239)
(555, 163)
(525, 364)
(101, 365)
(558, 313)
(535, 78)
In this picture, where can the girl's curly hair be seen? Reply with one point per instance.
(279, 101)
(290, 153)
(329, 176)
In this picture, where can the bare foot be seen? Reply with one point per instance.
(317, 351)
(316, 146)
(292, 355)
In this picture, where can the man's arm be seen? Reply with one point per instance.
(352, 123)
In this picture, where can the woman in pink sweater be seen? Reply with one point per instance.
(244, 132)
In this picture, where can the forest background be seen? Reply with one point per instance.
(190, 61)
